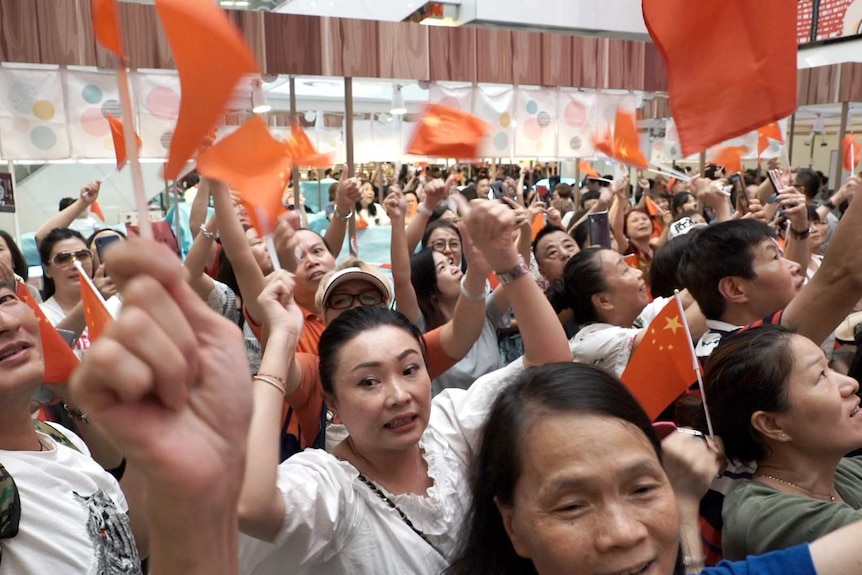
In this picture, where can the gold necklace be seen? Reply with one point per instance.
(821, 495)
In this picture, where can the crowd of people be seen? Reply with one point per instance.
(266, 411)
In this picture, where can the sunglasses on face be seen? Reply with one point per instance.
(345, 300)
(66, 258)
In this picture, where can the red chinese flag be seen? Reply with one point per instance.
(765, 133)
(96, 209)
(537, 225)
(60, 360)
(445, 132)
(97, 315)
(118, 134)
(652, 208)
(302, 152)
(662, 366)
(733, 82)
(851, 148)
(211, 58)
(627, 146)
(730, 157)
(587, 169)
(256, 165)
(106, 24)
(604, 142)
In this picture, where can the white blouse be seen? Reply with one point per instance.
(335, 524)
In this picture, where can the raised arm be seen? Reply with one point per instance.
(434, 194)
(793, 204)
(617, 215)
(235, 244)
(405, 300)
(179, 371)
(200, 207)
(89, 194)
(261, 506)
(197, 257)
(836, 287)
(459, 334)
(346, 196)
(493, 226)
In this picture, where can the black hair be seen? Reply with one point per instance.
(583, 277)
(423, 276)
(809, 181)
(663, 271)
(581, 232)
(65, 203)
(813, 216)
(19, 262)
(471, 192)
(437, 213)
(548, 229)
(589, 195)
(719, 251)
(353, 323)
(747, 373)
(678, 201)
(95, 235)
(561, 388)
(333, 190)
(54, 236)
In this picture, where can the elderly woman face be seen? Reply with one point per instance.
(592, 497)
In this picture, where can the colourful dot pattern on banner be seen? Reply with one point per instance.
(43, 109)
(575, 114)
(43, 137)
(93, 119)
(21, 98)
(163, 102)
(501, 140)
(92, 94)
(111, 108)
(165, 140)
(533, 127)
(576, 143)
(505, 120)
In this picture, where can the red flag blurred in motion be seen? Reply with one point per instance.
(96, 209)
(736, 81)
(97, 315)
(106, 24)
(301, 151)
(730, 157)
(211, 58)
(851, 148)
(119, 137)
(445, 132)
(254, 164)
(60, 360)
(627, 146)
(604, 142)
(652, 208)
(765, 133)
(662, 366)
(587, 170)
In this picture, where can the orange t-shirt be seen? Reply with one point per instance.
(311, 331)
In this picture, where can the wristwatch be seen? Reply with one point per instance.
(516, 272)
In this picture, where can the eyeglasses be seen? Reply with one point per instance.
(345, 300)
(66, 258)
(441, 245)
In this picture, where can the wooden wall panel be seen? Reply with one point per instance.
(589, 62)
(625, 64)
(251, 26)
(358, 48)
(19, 40)
(146, 44)
(494, 56)
(556, 60)
(403, 50)
(655, 72)
(292, 44)
(850, 86)
(526, 58)
(65, 35)
(452, 54)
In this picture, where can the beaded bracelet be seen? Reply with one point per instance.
(273, 380)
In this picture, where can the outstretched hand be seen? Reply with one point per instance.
(169, 378)
(493, 227)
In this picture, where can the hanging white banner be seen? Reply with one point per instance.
(32, 115)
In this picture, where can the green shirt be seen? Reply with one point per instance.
(760, 518)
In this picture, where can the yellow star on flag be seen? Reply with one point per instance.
(673, 323)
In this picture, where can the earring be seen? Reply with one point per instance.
(783, 436)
